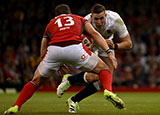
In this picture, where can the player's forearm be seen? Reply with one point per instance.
(99, 40)
(97, 37)
(44, 45)
(125, 43)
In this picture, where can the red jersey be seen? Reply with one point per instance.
(65, 27)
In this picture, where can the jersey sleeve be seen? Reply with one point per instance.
(120, 27)
(84, 20)
(46, 33)
(88, 17)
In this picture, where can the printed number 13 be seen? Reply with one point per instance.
(69, 21)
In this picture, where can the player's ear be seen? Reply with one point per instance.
(105, 14)
(92, 17)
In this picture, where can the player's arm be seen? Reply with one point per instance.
(123, 34)
(99, 40)
(124, 44)
(44, 44)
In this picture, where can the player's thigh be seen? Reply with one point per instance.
(42, 74)
(100, 66)
(51, 62)
(90, 63)
(94, 64)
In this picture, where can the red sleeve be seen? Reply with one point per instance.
(46, 33)
(85, 20)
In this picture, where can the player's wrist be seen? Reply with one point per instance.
(108, 51)
(115, 46)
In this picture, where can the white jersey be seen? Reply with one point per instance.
(114, 24)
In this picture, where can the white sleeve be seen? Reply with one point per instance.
(88, 17)
(120, 27)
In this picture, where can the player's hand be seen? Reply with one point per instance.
(113, 60)
(110, 43)
(63, 70)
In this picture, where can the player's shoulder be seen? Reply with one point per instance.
(114, 19)
(112, 15)
(80, 18)
(88, 16)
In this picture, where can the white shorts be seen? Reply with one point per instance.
(76, 55)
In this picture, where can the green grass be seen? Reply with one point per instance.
(49, 104)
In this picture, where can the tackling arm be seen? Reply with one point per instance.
(99, 40)
(96, 36)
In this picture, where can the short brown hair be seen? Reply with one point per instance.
(98, 8)
(62, 9)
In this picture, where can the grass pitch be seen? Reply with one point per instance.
(49, 104)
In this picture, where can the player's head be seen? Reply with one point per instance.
(62, 9)
(98, 15)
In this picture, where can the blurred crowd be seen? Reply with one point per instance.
(23, 22)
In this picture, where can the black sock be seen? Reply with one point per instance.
(87, 91)
(78, 78)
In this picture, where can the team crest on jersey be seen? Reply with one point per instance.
(109, 31)
(83, 57)
(107, 34)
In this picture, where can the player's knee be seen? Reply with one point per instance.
(90, 77)
(105, 67)
(39, 80)
(111, 69)
(101, 67)
(36, 81)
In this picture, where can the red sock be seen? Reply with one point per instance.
(25, 94)
(105, 78)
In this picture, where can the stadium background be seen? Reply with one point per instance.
(23, 22)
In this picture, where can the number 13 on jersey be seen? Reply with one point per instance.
(68, 21)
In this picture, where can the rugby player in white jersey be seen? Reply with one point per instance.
(107, 23)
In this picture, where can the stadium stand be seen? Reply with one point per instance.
(23, 22)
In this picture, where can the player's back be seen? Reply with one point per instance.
(65, 27)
